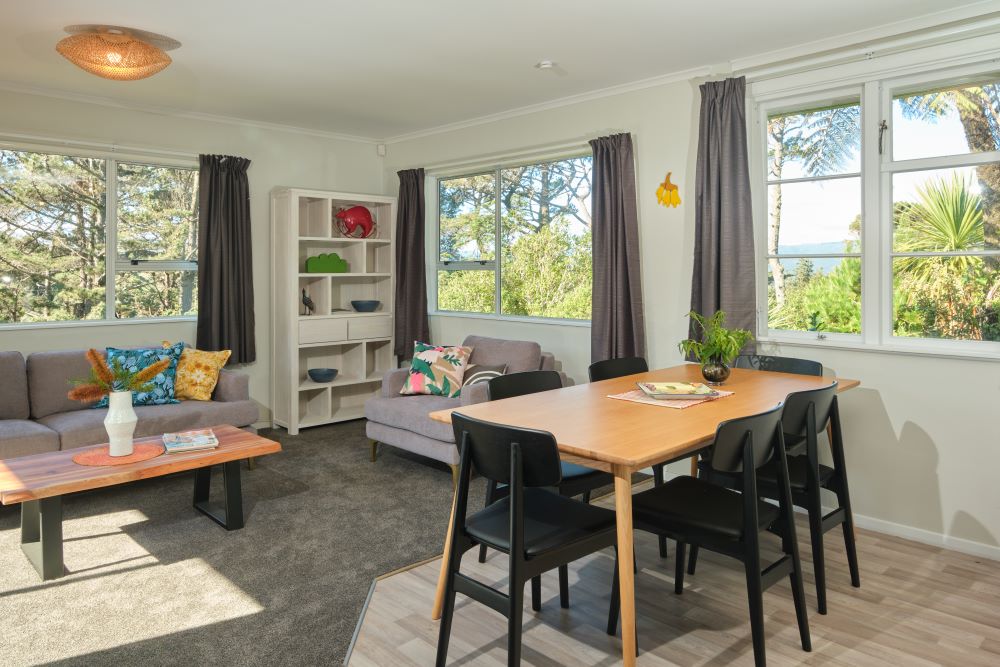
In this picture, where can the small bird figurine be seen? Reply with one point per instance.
(308, 303)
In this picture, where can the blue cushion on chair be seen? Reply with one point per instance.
(571, 470)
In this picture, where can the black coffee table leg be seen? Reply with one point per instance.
(232, 518)
(41, 536)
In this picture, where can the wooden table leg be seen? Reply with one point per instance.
(443, 578)
(626, 575)
(694, 465)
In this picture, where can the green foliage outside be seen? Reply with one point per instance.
(954, 297)
(544, 228)
(53, 225)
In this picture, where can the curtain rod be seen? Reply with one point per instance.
(13, 139)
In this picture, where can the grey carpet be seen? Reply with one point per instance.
(153, 582)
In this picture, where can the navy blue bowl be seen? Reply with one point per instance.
(367, 306)
(322, 374)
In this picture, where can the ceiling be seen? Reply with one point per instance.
(381, 68)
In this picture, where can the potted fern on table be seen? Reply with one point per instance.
(716, 347)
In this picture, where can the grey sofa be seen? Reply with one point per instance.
(36, 416)
(402, 421)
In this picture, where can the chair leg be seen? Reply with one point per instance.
(586, 497)
(447, 614)
(491, 492)
(454, 477)
(564, 586)
(373, 444)
(819, 562)
(514, 624)
(755, 598)
(536, 593)
(679, 568)
(658, 481)
(693, 558)
(615, 608)
(849, 536)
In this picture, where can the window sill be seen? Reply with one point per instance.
(910, 350)
(551, 321)
(73, 324)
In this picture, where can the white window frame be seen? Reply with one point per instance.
(435, 265)
(875, 93)
(113, 263)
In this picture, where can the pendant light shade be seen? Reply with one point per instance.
(113, 55)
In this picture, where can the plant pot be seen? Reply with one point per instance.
(120, 423)
(715, 372)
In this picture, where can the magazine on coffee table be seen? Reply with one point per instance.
(677, 390)
(190, 441)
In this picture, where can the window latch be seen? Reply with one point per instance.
(882, 127)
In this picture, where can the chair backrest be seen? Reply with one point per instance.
(616, 368)
(489, 445)
(519, 384)
(764, 429)
(763, 362)
(794, 419)
(517, 355)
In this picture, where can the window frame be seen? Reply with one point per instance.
(113, 263)
(875, 93)
(435, 266)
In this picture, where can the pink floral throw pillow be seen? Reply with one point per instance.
(436, 370)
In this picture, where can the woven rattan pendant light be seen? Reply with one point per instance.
(116, 53)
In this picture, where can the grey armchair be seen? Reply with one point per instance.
(403, 421)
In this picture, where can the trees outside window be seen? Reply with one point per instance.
(66, 255)
(538, 217)
(939, 149)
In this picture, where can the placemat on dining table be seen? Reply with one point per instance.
(639, 396)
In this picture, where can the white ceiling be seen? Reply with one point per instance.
(380, 68)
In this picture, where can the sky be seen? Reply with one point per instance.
(821, 212)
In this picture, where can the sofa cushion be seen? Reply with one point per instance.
(436, 370)
(80, 428)
(410, 413)
(14, 387)
(518, 355)
(20, 437)
(49, 375)
(160, 389)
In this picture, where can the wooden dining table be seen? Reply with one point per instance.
(622, 437)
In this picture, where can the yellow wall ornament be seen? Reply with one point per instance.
(667, 194)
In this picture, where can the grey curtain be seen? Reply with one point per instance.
(617, 321)
(225, 262)
(411, 280)
(723, 248)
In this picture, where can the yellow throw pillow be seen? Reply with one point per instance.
(198, 373)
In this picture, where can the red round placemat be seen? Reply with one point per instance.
(98, 456)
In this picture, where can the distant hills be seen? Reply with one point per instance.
(824, 264)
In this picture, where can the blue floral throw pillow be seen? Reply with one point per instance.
(161, 391)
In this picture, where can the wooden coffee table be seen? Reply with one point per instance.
(40, 481)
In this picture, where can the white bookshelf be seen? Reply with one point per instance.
(359, 345)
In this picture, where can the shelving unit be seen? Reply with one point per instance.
(359, 345)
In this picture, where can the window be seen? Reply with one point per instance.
(516, 241)
(66, 254)
(885, 233)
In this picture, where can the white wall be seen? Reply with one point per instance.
(661, 121)
(278, 158)
(921, 463)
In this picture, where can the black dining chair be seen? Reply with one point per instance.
(616, 368)
(608, 369)
(806, 415)
(696, 512)
(576, 480)
(539, 529)
(764, 362)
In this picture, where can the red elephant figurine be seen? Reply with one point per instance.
(349, 220)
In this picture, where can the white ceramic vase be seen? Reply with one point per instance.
(120, 423)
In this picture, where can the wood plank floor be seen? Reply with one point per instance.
(917, 605)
